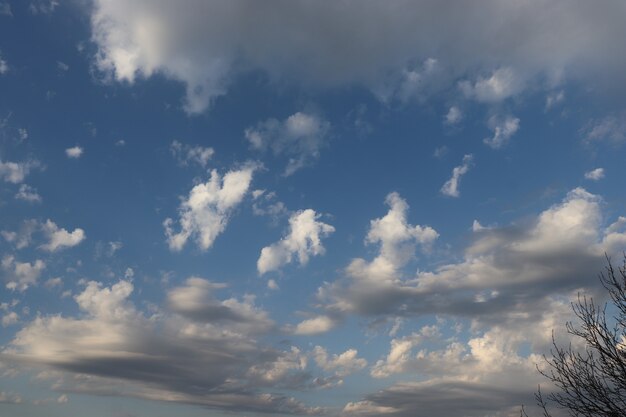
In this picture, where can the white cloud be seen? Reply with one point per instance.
(400, 356)
(16, 172)
(205, 46)
(28, 194)
(397, 240)
(503, 129)
(505, 272)
(206, 212)
(186, 154)
(451, 187)
(303, 240)
(502, 84)
(74, 152)
(343, 364)
(21, 275)
(59, 238)
(595, 174)
(316, 325)
(300, 137)
(454, 116)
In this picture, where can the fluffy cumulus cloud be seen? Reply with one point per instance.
(509, 293)
(303, 240)
(497, 47)
(204, 214)
(21, 275)
(300, 137)
(466, 377)
(343, 364)
(187, 356)
(315, 325)
(451, 187)
(59, 238)
(373, 285)
(74, 152)
(503, 129)
(454, 116)
(505, 272)
(595, 174)
(501, 84)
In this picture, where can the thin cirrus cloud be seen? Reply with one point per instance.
(16, 172)
(56, 238)
(300, 137)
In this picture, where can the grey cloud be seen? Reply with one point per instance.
(505, 271)
(114, 349)
(454, 398)
(497, 47)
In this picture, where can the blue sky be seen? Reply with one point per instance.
(349, 208)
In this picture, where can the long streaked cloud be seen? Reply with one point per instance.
(185, 354)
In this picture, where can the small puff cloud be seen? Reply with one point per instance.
(316, 325)
(16, 172)
(74, 152)
(503, 129)
(595, 174)
(206, 211)
(303, 240)
(451, 187)
(59, 238)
